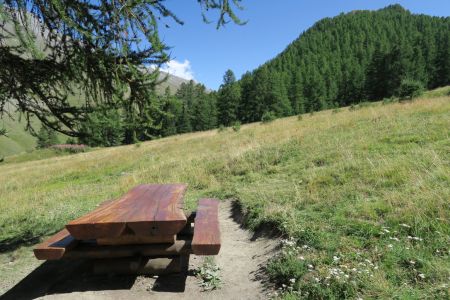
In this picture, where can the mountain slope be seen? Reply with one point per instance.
(349, 58)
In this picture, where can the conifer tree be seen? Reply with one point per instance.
(228, 99)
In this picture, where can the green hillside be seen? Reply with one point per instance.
(361, 191)
(353, 57)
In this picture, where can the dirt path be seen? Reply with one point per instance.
(240, 261)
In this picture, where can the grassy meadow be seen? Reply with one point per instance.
(361, 195)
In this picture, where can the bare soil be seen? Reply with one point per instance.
(241, 258)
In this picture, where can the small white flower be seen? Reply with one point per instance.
(292, 280)
(422, 276)
(405, 225)
(335, 258)
(390, 246)
(310, 266)
(301, 258)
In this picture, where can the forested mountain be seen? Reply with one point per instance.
(362, 55)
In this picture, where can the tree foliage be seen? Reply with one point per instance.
(347, 59)
(46, 137)
(410, 89)
(51, 49)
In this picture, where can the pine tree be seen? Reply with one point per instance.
(46, 137)
(228, 99)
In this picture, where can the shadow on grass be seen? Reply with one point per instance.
(67, 276)
(267, 230)
(13, 244)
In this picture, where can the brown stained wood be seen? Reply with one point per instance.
(206, 240)
(55, 247)
(129, 239)
(92, 250)
(146, 210)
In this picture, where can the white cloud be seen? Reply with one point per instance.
(180, 69)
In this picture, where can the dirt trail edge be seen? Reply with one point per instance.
(240, 261)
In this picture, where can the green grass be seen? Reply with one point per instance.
(363, 194)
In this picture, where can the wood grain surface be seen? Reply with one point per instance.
(206, 240)
(56, 246)
(146, 210)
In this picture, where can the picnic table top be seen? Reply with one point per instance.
(146, 210)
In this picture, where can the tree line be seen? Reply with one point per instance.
(355, 57)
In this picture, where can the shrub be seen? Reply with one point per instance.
(221, 128)
(71, 141)
(46, 137)
(410, 89)
(299, 117)
(389, 100)
(268, 117)
(236, 126)
(352, 107)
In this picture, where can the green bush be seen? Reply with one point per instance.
(268, 117)
(221, 128)
(299, 117)
(410, 89)
(46, 137)
(236, 126)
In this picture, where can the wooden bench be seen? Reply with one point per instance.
(56, 246)
(134, 225)
(206, 239)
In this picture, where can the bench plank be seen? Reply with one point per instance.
(146, 210)
(56, 246)
(206, 240)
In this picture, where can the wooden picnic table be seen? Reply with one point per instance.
(148, 221)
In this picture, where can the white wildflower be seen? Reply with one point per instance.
(292, 280)
(422, 276)
(405, 225)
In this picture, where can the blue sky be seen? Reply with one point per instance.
(201, 52)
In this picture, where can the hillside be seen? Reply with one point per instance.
(362, 191)
(353, 57)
